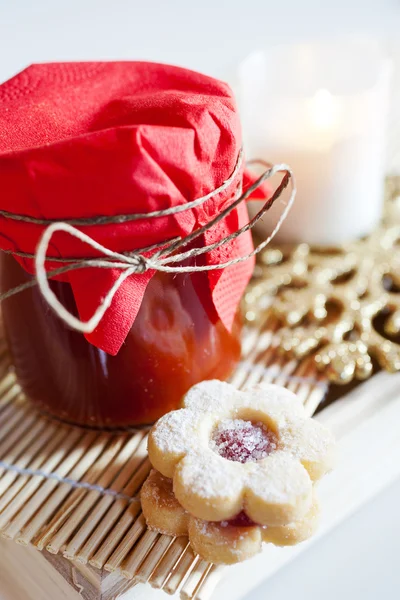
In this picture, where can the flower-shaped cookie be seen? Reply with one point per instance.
(229, 452)
(226, 542)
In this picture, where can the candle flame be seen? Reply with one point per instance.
(324, 110)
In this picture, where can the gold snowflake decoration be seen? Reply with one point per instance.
(340, 305)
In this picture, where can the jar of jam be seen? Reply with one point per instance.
(102, 147)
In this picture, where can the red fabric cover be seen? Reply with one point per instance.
(87, 139)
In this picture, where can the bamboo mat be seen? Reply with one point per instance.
(74, 492)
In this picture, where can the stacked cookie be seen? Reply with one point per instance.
(234, 469)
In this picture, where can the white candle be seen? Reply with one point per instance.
(321, 108)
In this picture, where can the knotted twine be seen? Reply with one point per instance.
(167, 253)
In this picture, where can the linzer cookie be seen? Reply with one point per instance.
(234, 469)
(224, 542)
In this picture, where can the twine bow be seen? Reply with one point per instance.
(167, 253)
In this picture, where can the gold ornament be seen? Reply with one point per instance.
(392, 204)
(340, 305)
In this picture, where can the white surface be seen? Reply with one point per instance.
(358, 561)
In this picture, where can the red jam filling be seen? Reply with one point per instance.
(241, 520)
(242, 441)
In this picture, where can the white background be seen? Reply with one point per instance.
(210, 35)
(360, 559)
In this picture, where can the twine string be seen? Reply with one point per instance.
(118, 219)
(157, 246)
(91, 487)
(247, 227)
(167, 256)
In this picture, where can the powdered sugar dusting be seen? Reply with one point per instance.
(242, 441)
(230, 451)
(206, 475)
(212, 396)
(175, 432)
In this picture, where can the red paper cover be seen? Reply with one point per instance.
(87, 139)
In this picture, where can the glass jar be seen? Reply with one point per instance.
(177, 340)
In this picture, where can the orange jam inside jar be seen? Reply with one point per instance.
(176, 341)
